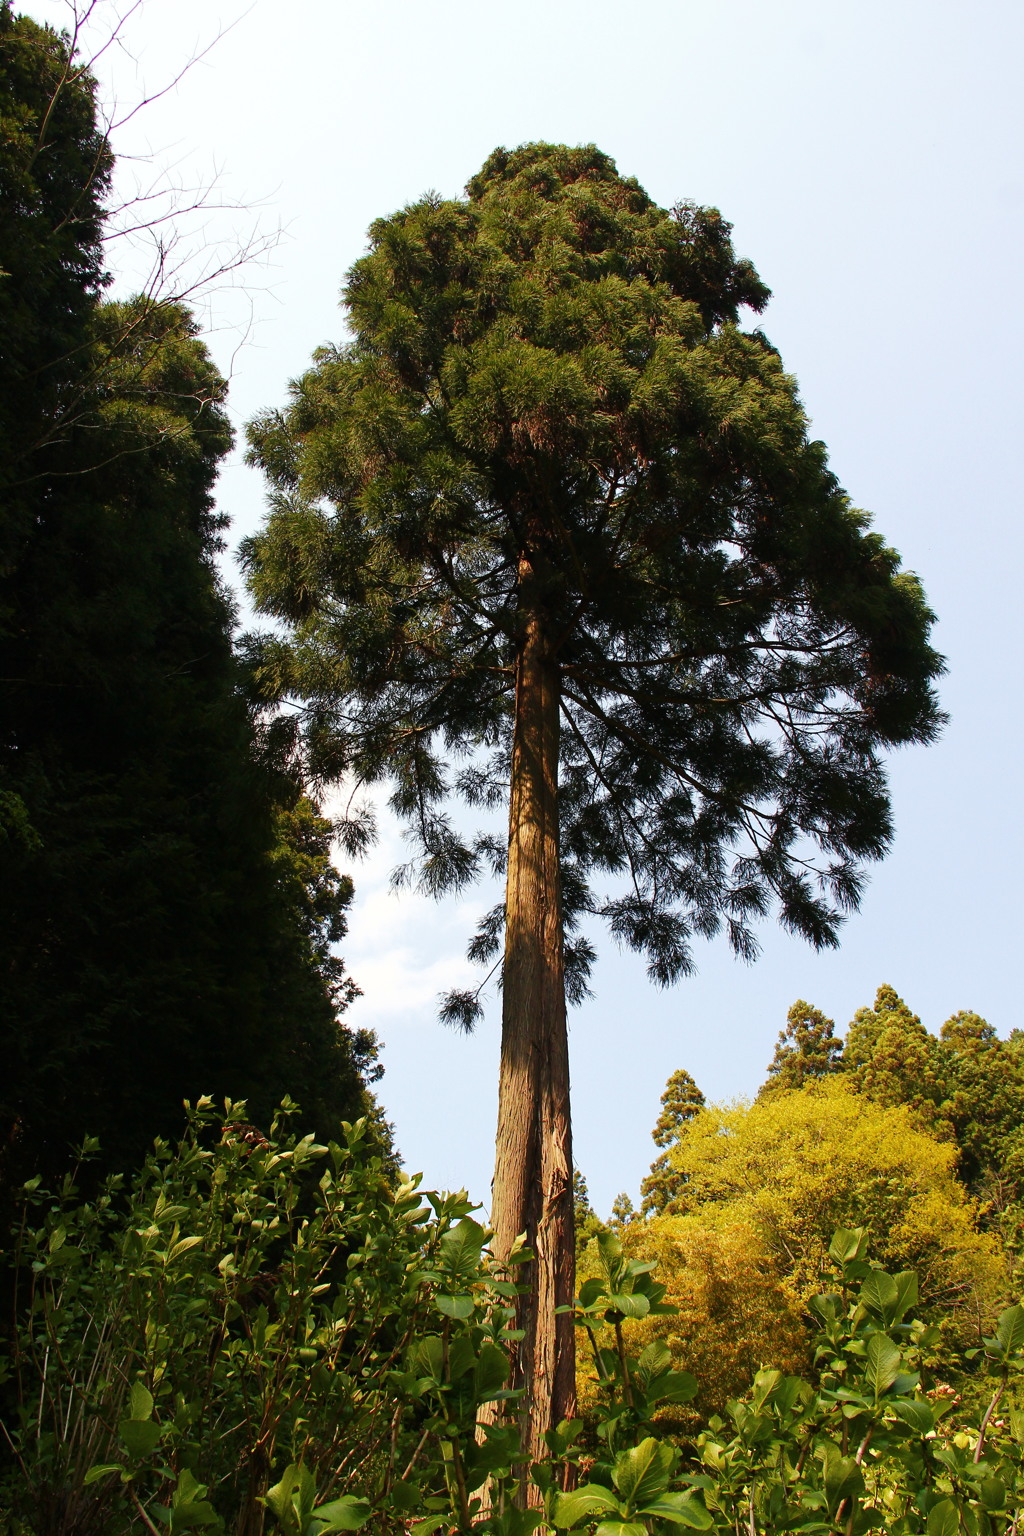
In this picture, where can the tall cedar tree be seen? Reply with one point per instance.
(167, 902)
(549, 528)
(984, 1104)
(681, 1100)
(890, 1056)
(807, 1049)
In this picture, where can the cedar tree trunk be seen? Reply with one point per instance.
(532, 1189)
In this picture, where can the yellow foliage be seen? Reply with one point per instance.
(792, 1167)
(736, 1312)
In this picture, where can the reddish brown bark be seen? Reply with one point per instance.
(532, 1190)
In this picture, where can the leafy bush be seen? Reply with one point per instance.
(247, 1303)
(266, 1329)
(863, 1443)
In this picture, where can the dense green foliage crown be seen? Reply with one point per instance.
(552, 370)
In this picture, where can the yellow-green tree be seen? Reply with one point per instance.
(736, 1311)
(795, 1166)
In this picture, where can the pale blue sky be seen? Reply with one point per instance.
(869, 157)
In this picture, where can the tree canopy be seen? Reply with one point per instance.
(555, 365)
(964, 1084)
(795, 1166)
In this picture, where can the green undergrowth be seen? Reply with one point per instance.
(260, 1332)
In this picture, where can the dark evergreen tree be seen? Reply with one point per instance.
(550, 527)
(168, 910)
(681, 1100)
(585, 1218)
(624, 1212)
(967, 1085)
(55, 167)
(54, 171)
(984, 1103)
(890, 1056)
(807, 1049)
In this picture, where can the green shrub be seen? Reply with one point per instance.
(246, 1307)
(262, 1329)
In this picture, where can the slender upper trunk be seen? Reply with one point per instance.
(532, 1190)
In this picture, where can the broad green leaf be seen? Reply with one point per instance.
(1010, 1331)
(292, 1499)
(428, 1357)
(905, 1383)
(405, 1497)
(491, 1371)
(882, 1364)
(880, 1294)
(562, 1436)
(609, 1246)
(656, 1358)
(944, 1519)
(906, 1284)
(107, 1470)
(426, 1527)
(590, 1291)
(993, 1492)
(188, 1488)
(516, 1522)
(139, 1436)
(140, 1402)
(621, 1528)
(191, 1517)
(460, 1248)
(461, 1356)
(847, 1244)
(630, 1304)
(190, 1509)
(643, 1473)
(454, 1306)
(345, 1514)
(842, 1476)
(185, 1245)
(674, 1387)
(682, 1509)
(590, 1499)
(913, 1412)
(828, 1306)
(406, 1382)
(764, 1383)
(791, 1391)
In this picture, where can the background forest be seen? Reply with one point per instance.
(224, 1306)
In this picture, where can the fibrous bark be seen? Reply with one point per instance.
(532, 1191)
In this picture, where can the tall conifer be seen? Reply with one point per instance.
(548, 531)
(168, 907)
(681, 1100)
(807, 1048)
